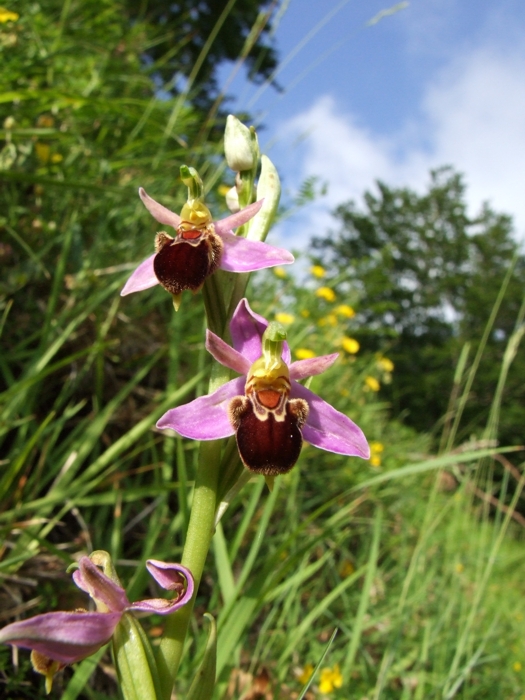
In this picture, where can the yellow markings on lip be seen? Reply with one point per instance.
(257, 383)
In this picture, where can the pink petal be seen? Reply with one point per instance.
(142, 278)
(238, 219)
(225, 354)
(329, 429)
(247, 328)
(62, 636)
(162, 214)
(309, 368)
(241, 255)
(206, 418)
(89, 578)
(172, 577)
(157, 606)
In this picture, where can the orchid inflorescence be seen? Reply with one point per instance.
(267, 408)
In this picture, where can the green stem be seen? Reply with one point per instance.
(201, 525)
(198, 540)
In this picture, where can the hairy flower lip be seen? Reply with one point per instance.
(206, 418)
(238, 255)
(72, 636)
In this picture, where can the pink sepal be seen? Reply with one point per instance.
(142, 278)
(238, 219)
(328, 428)
(162, 214)
(205, 418)
(225, 354)
(301, 369)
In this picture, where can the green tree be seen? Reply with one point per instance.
(427, 276)
(181, 49)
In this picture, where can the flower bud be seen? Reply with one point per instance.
(240, 145)
(268, 189)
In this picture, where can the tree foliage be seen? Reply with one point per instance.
(180, 50)
(427, 275)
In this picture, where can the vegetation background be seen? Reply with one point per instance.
(415, 557)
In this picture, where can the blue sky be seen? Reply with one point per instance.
(438, 82)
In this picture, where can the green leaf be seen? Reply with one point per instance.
(204, 682)
(134, 660)
(318, 665)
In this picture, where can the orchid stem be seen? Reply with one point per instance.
(201, 526)
(198, 540)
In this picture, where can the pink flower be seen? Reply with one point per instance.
(200, 247)
(68, 637)
(267, 408)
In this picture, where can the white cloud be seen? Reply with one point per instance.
(472, 116)
(477, 119)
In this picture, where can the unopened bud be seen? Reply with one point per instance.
(269, 189)
(240, 145)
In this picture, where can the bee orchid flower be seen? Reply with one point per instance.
(200, 246)
(267, 408)
(61, 638)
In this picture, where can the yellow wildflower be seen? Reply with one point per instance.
(279, 272)
(345, 310)
(284, 318)
(223, 190)
(42, 151)
(305, 674)
(385, 364)
(318, 271)
(330, 320)
(7, 16)
(372, 383)
(330, 679)
(45, 121)
(57, 158)
(304, 354)
(325, 293)
(351, 345)
(346, 569)
(516, 666)
(376, 448)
